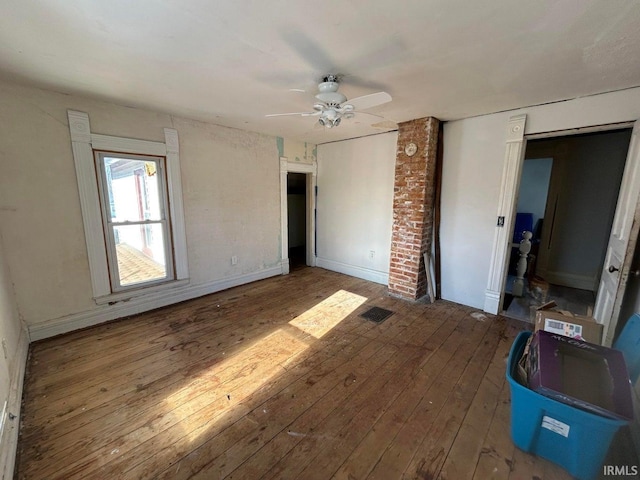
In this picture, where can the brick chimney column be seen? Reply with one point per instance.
(413, 201)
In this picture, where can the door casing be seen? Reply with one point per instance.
(607, 307)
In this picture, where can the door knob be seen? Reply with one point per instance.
(613, 269)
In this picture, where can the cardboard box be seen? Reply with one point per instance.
(581, 374)
(569, 325)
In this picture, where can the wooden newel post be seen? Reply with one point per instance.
(525, 248)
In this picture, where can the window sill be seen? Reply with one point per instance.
(129, 294)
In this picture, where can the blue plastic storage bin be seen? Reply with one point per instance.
(628, 343)
(575, 439)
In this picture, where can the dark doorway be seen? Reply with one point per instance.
(568, 193)
(297, 219)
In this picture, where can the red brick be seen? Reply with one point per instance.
(412, 207)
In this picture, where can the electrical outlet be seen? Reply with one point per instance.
(234, 260)
(372, 254)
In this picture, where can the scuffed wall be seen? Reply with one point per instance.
(231, 188)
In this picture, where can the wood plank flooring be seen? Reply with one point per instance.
(277, 379)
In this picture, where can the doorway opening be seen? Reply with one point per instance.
(567, 199)
(297, 222)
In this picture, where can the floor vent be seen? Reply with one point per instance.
(377, 314)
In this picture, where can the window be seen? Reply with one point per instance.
(131, 200)
(134, 205)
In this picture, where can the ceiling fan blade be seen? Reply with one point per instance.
(302, 114)
(369, 101)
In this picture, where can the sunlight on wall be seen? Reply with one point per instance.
(327, 314)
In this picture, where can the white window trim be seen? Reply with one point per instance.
(83, 143)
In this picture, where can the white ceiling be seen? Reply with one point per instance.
(231, 62)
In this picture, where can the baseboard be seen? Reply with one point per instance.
(581, 282)
(104, 313)
(285, 266)
(11, 419)
(359, 272)
(492, 302)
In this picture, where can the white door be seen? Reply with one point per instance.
(622, 240)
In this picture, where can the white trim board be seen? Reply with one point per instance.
(83, 143)
(11, 427)
(144, 303)
(354, 271)
(514, 156)
(311, 170)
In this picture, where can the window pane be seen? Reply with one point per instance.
(140, 252)
(132, 186)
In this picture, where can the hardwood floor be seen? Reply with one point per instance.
(277, 379)
(579, 302)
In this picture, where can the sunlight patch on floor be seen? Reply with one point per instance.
(319, 320)
(227, 384)
(224, 388)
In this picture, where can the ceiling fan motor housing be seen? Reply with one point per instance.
(332, 99)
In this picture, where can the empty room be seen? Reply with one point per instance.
(301, 240)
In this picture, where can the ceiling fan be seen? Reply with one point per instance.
(332, 106)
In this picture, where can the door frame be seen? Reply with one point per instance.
(311, 171)
(514, 158)
(511, 173)
(624, 231)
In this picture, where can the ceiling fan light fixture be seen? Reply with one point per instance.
(331, 106)
(329, 123)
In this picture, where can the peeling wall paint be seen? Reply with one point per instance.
(301, 152)
(280, 144)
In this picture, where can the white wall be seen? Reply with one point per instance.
(355, 205)
(12, 366)
(231, 189)
(474, 151)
